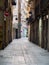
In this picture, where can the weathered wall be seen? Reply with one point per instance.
(1, 23)
(5, 24)
(48, 30)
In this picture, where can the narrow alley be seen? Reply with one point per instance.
(23, 52)
(24, 32)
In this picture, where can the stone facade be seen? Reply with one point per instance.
(39, 27)
(5, 23)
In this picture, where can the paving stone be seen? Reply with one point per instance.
(23, 52)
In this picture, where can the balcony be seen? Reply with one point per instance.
(44, 4)
(6, 4)
(37, 10)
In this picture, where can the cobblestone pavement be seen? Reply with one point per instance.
(22, 52)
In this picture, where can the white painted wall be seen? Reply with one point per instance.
(15, 15)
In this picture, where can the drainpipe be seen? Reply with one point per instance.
(19, 18)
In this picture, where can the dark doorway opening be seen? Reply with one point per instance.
(16, 33)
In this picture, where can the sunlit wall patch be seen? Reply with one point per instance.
(40, 31)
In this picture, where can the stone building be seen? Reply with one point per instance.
(5, 23)
(39, 26)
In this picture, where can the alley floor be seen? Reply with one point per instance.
(23, 52)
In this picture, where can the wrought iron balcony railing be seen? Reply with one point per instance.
(44, 4)
(6, 4)
(37, 10)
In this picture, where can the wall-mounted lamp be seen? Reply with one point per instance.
(27, 19)
(16, 18)
(13, 2)
(30, 12)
